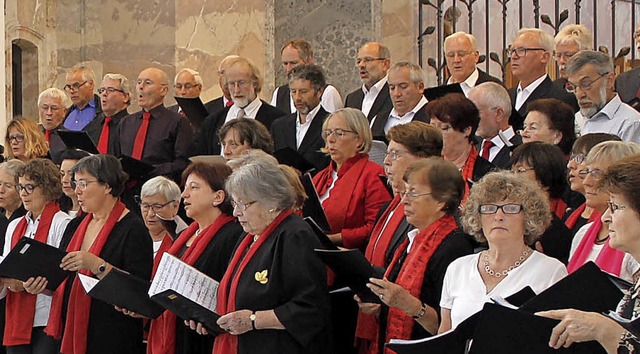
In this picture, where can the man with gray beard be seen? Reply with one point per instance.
(591, 78)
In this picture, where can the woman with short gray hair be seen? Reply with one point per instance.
(159, 199)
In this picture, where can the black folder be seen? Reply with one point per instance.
(188, 310)
(436, 92)
(290, 157)
(135, 168)
(194, 109)
(78, 140)
(312, 206)
(354, 270)
(31, 258)
(172, 226)
(125, 290)
(322, 237)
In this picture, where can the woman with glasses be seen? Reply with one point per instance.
(273, 297)
(69, 201)
(509, 212)
(239, 135)
(10, 202)
(582, 214)
(107, 235)
(159, 199)
(24, 141)
(591, 242)
(207, 244)
(27, 311)
(550, 121)
(412, 282)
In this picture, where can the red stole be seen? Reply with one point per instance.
(575, 216)
(103, 141)
(609, 259)
(74, 339)
(226, 343)
(348, 176)
(162, 334)
(375, 253)
(558, 207)
(21, 307)
(411, 275)
(467, 171)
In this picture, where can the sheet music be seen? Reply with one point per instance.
(421, 340)
(186, 280)
(87, 282)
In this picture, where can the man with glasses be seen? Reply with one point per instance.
(115, 97)
(461, 54)
(52, 107)
(530, 55)
(591, 77)
(628, 83)
(86, 105)
(295, 53)
(373, 61)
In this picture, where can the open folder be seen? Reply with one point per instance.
(194, 109)
(312, 206)
(325, 241)
(31, 258)
(354, 270)
(185, 291)
(78, 140)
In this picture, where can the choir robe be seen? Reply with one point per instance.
(295, 287)
(128, 248)
(212, 262)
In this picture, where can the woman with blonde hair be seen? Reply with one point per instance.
(24, 141)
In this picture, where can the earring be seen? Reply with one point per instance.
(272, 210)
(215, 204)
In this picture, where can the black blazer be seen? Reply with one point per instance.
(627, 84)
(503, 157)
(381, 104)
(208, 143)
(283, 131)
(377, 130)
(94, 129)
(216, 105)
(546, 90)
(484, 77)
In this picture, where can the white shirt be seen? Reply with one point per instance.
(616, 117)
(156, 247)
(58, 225)
(250, 111)
(302, 129)
(629, 265)
(411, 236)
(523, 94)
(395, 119)
(330, 101)
(467, 84)
(498, 142)
(325, 195)
(371, 95)
(464, 292)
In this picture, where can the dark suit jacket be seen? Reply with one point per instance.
(208, 142)
(503, 157)
(381, 120)
(214, 106)
(546, 90)
(484, 77)
(628, 84)
(381, 104)
(283, 131)
(94, 129)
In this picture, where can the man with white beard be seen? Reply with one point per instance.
(590, 76)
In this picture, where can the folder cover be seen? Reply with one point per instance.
(324, 239)
(354, 270)
(194, 109)
(312, 206)
(78, 140)
(290, 157)
(436, 92)
(135, 168)
(31, 258)
(124, 290)
(187, 309)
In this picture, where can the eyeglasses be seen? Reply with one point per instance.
(585, 85)
(17, 138)
(412, 195)
(74, 87)
(28, 188)
(239, 84)
(339, 133)
(109, 90)
(367, 60)
(395, 154)
(82, 184)
(144, 207)
(520, 170)
(578, 158)
(595, 173)
(560, 55)
(461, 53)
(506, 208)
(187, 86)
(46, 108)
(242, 206)
(613, 207)
(521, 52)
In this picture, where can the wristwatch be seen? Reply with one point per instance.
(101, 268)
(252, 317)
(423, 310)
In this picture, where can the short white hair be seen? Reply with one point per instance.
(575, 33)
(54, 92)
(162, 186)
(545, 39)
(493, 95)
(196, 76)
(461, 34)
(123, 81)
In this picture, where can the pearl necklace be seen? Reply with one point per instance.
(488, 270)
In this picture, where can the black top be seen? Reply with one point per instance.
(380, 104)
(94, 129)
(556, 240)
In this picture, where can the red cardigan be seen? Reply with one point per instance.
(354, 200)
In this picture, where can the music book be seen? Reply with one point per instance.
(194, 109)
(78, 140)
(322, 237)
(290, 157)
(433, 93)
(208, 159)
(312, 206)
(31, 258)
(122, 289)
(135, 168)
(353, 269)
(185, 291)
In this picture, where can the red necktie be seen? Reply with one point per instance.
(103, 142)
(488, 144)
(141, 136)
(229, 103)
(47, 135)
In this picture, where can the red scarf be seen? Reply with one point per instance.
(558, 207)
(348, 175)
(467, 171)
(21, 307)
(74, 339)
(162, 334)
(609, 259)
(411, 275)
(226, 343)
(575, 216)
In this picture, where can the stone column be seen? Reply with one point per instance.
(3, 77)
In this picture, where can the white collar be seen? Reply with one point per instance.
(376, 87)
(415, 109)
